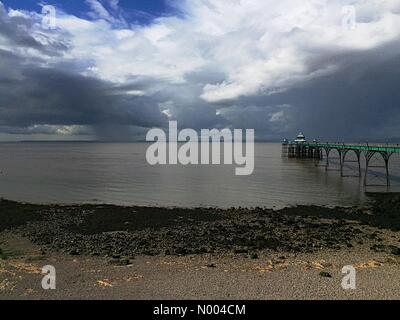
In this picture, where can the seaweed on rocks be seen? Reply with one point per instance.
(103, 230)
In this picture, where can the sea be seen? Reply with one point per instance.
(118, 173)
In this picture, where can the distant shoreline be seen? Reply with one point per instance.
(99, 141)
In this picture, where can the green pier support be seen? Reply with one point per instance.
(306, 150)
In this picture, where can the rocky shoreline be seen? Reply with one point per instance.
(121, 233)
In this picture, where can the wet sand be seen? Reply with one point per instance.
(107, 252)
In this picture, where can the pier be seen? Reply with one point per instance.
(302, 149)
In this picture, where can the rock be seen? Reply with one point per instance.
(240, 250)
(378, 248)
(124, 262)
(396, 251)
(120, 262)
(74, 252)
(243, 231)
(271, 243)
(325, 274)
(181, 251)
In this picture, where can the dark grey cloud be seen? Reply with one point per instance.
(360, 101)
(31, 95)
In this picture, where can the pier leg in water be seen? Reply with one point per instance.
(358, 161)
(386, 157)
(327, 151)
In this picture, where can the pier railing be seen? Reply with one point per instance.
(360, 147)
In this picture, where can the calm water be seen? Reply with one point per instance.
(117, 173)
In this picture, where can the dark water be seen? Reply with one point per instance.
(117, 173)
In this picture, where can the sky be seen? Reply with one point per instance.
(138, 11)
(111, 70)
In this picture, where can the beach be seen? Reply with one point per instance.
(113, 252)
(202, 150)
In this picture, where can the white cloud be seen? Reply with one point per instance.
(256, 44)
(277, 116)
(98, 10)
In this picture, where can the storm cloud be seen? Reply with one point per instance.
(33, 97)
(276, 68)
